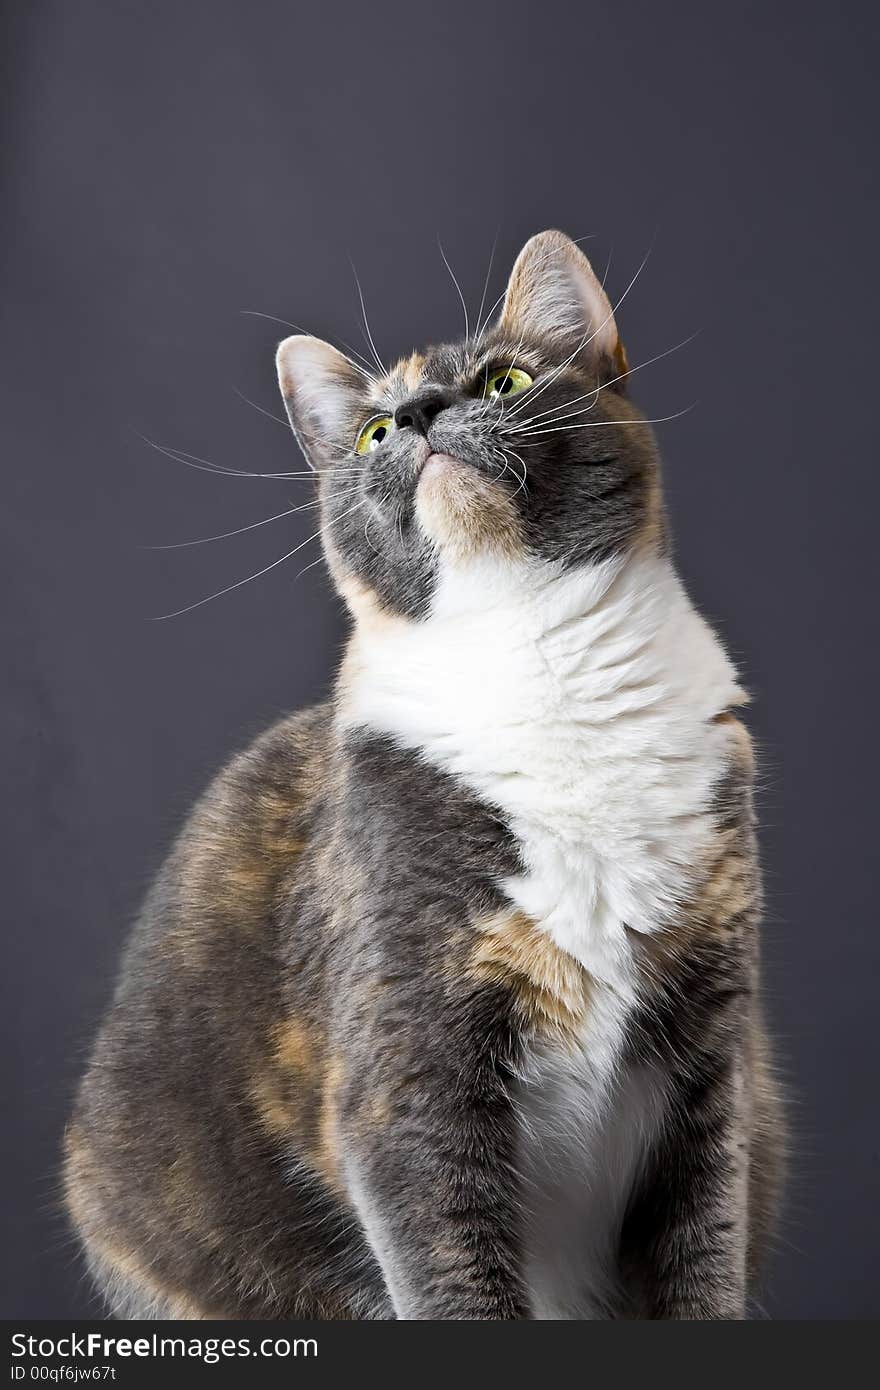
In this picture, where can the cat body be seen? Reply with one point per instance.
(445, 1004)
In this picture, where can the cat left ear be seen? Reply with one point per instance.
(553, 293)
(323, 395)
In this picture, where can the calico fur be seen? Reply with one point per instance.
(446, 1002)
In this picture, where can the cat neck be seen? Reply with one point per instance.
(583, 706)
(506, 641)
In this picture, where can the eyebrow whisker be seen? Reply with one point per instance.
(467, 328)
(577, 241)
(365, 370)
(369, 336)
(477, 330)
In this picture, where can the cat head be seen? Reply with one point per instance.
(516, 448)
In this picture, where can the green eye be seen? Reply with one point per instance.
(509, 381)
(374, 434)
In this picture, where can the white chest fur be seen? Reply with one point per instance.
(581, 706)
(578, 1165)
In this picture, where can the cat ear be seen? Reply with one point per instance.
(553, 293)
(323, 394)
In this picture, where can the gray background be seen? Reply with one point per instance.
(168, 166)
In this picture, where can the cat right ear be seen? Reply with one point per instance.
(323, 394)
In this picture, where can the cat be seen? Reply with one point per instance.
(446, 1003)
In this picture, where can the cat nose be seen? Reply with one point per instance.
(420, 409)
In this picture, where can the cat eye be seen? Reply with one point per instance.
(508, 381)
(373, 434)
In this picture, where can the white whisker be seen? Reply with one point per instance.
(259, 573)
(285, 424)
(500, 420)
(240, 530)
(309, 566)
(522, 486)
(585, 342)
(606, 424)
(365, 370)
(467, 329)
(477, 330)
(577, 241)
(206, 466)
(551, 416)
(381, 365)
(224, 535)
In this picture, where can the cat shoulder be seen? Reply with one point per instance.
(247, 833)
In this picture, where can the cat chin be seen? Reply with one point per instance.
(439, 466)
(464, 513)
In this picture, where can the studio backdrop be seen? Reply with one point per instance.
(181, 183)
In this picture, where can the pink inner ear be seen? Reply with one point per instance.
(553, 292)
(322, 390)
(308, 365)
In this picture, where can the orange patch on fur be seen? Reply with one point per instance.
(364, 603)
(280, 1087)
(270, 1098)
(294, 1046)
(551, 988)
(464, 512)
(406, 373)
(327, 1155)
(412, 369)
(297, 1097)
(743, 748)
(730, 888)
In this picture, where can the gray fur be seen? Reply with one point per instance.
(302, 1101)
